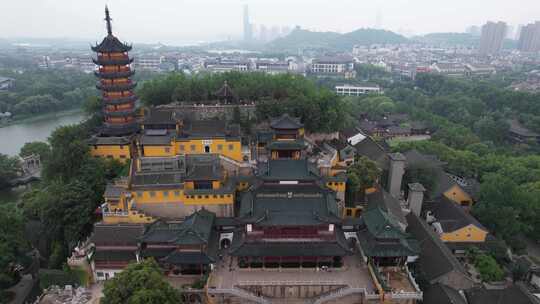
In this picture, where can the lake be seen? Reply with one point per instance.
(13, 137)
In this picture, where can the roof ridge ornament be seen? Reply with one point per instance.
(108, 20)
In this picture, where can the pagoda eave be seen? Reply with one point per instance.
(105, 62)
(120, 113)
(121, 100)
(116, 87)
(109, 129)
(114, 75)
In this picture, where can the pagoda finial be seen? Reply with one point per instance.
(108, 19)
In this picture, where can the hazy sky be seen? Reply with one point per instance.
(177, 21)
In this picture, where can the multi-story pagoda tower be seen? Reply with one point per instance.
(115, 84)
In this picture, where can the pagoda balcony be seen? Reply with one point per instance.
(119, 100)
(116, 87)
(112, 61)
(119, 113)
(114, 75)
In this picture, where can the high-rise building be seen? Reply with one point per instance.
(529, 38)
(492, 38)
(473, 30)
(263, 33)
(248, 30)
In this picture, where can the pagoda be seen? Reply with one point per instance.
(115, 84)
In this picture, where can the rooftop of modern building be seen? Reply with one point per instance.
(333, 60)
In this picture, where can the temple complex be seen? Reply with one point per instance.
(260, 217)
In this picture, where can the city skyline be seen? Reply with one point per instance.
(191, 21)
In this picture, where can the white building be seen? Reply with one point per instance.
(333, 66)
(222, 66)
(272, 67)
(357, 90)
(149, 63)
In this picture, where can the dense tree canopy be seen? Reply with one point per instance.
(43, 91)
(12, 244)
(36, 147)
(319, 108)
(140, 283)
(71, 190)
(9, 167)
(360, 176)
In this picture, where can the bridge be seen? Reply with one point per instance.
(30, 171)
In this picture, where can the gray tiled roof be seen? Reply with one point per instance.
(451, 216)
(119, 234)
(436, 259)
(442, 294)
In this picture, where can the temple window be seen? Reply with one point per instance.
(192, 147)
(231, 147)
(181, 147)
(220, 147)
(166, 193)
(152, 194)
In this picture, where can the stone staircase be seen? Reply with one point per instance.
(241, 294)
(337, 294)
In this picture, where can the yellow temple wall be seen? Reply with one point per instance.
(118, 152)
(470, 233)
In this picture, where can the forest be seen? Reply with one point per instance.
(470, 127)
(319, 108)
(43, 91)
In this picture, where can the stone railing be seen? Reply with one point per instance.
(290, 283)
(405, 295)
(115, 213)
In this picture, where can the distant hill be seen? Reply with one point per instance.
(305, 39)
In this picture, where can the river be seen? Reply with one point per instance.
(13, 137)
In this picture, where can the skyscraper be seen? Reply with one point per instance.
(492, 38)
(529, 38)
(248, 31)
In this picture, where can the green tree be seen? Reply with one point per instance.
(12, 244)
(141, 283)
(489, 270)
(364, 173)
(499, 205)
(490, 128)
(9, 168)
(92, 106)
(36, 147)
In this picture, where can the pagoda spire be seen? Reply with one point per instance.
(108, 19)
